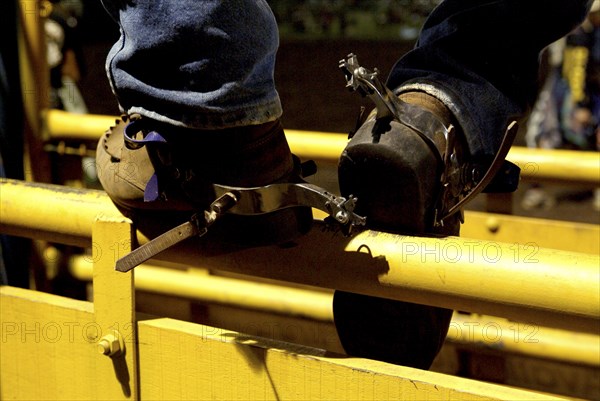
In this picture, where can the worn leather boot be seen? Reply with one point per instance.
(395, 174)
(159, 175)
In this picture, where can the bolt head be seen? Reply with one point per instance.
(110, 345)
(342, 217)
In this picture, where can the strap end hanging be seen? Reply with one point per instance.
(196, 226)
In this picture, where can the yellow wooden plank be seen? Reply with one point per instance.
(186, 361)
(48, 348)
(114, 305)
(50, 344)
(48, 351)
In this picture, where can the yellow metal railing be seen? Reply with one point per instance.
(564, 166)
(35, 86)
(467, 329)
(270, 298)
(548, 287)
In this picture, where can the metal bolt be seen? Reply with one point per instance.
(493, 224)
(111, 345)
(342, 217)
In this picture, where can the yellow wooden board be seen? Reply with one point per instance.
(186, 361)
(48, 350)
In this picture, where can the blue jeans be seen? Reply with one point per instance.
(481, 58)
(198, 64)
(209, 64)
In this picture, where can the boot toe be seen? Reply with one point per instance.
(395, 180)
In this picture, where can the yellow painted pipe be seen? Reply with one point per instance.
(51, 212)
(34, 71)
(223, 290)
(542, 286)
(506, 336)
(536, 164)
(321, 146)
(568, 166)
(525, 283)
(87, 127)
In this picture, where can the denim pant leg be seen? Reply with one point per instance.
(481, 57)
(195, 63)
